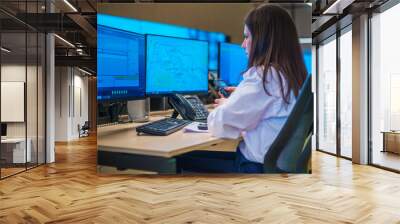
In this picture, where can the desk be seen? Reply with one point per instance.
(391, 141)
(13, 150)
(119, 146)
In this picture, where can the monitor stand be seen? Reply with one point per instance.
(138, 110)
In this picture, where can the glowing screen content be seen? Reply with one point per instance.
(164, 29)
(233, 62)
(176, 65)
(307, 60)
(120, 64)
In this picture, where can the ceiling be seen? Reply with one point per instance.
(332, 15)
(72, 20)
(75, 21)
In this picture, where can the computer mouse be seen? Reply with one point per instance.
(202, 126)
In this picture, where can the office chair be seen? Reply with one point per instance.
(84, 130)
(291, 150)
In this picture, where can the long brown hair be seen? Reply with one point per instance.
(275, 43)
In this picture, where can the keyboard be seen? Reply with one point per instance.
(162, 127)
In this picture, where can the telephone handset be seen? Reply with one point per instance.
(189, 107)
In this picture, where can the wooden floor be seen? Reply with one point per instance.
(5, 172)
(386, 159)
(70, 191)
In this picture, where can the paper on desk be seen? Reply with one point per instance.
(192, 127)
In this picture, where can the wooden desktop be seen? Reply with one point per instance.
(120, 148)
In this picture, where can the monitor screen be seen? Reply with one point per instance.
(164, 29)
(120, 64)
(307, 60)
(232, 63)
(176, 65)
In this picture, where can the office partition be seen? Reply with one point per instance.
(327, 98)
(385, 88)
(23, 87)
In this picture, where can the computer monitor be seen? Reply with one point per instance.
(164, 29)
(120, 64)
(176, 65)
(3, 129)
(232, 63)
(213, 38)
(307, 60)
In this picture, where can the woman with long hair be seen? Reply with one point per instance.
(259, 106)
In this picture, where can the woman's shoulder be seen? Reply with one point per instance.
(273, 82)
(256, 73)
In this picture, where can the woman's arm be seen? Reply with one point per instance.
(242, 111)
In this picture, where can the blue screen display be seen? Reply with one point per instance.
(147, 27)
(307, 60)
(175, 65)
(120, 64)
(233, 62)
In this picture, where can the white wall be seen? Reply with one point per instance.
(16, 73)
(71, 102)
(80, 105)
(33, 127)
(12, 73)
(61, 103)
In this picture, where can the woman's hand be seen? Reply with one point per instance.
(218, 102)
(230, 89)
(222, 99)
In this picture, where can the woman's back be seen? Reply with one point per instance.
(253, 113)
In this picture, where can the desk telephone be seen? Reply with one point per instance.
(189, 107)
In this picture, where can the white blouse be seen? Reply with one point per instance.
(252, 113)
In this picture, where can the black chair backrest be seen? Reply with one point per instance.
(291, 150)
(86, 125)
